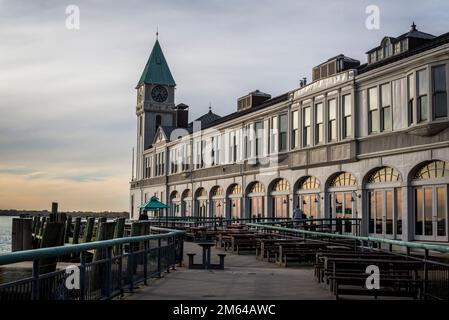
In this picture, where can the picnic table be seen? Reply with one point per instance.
(206, 258)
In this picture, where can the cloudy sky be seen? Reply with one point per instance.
(67, 98)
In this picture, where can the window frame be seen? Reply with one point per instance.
(382, 108)
(371, 111)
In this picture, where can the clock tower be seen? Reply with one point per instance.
(155, 101)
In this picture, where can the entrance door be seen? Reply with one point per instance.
(430, 206)
(342, 205)
(280, 206)
(381, 209)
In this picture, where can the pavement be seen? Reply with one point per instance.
(244, 278)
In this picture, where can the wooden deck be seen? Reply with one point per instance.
(244, 277)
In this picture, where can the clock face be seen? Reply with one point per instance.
(159, 94)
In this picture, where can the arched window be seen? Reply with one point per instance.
(201, 192)
(385, 174)
(280, 199)
(186, 203)
(256, 200)
(387, 48)
(343, 179)
(342, 202)
(257, 187)
(309, 183)
(281, 185)
(174, 203)
(217, 191)
(201, 202)
(158, 122)
(187, 193)
(235, 202)
(433, 170)
(384, 202)
(430, 192)
(217, 206)
(235, 189)
(308, 197)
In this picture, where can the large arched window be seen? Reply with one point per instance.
(343, 179)
(384, 174)
(384, 202)
(279, 199)
(343, 201)
(308, 196)
(201, 201)
(235, 201)
(430, 189)
(432, 170)
(186, 203)
(217, 200)
(175, 202)
(255, 195)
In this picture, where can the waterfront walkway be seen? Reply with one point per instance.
(244, 277)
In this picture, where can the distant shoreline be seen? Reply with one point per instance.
(18, 213)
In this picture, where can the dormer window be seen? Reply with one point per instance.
(387, 48)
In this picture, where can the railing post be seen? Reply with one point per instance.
(35, 292)
(159, 257)
(131, 266)
(120, 268)
(82, 275)
(145, 262)
(108, 271)
(426, 273)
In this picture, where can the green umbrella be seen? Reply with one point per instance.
(153, 205)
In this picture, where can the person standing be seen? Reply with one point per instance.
(296, 215)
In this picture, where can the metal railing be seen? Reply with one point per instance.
(97, 270)
(330, 225)
(435, 268)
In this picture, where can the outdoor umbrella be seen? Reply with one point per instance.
(153, 205)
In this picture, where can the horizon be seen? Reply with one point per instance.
(67, 97)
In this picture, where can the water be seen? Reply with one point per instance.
(5, 234)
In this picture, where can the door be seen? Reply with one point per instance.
(430, 206)
(342, 206)
(382, 213)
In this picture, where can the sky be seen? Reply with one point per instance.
(67, 97)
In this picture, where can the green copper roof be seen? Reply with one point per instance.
(156, 70)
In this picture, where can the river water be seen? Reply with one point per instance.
(5, 234)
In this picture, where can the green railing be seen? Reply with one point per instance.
(105, 268)
(406, 244)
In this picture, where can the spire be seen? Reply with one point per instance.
(156, 70)
(210, 107)
(413, 26)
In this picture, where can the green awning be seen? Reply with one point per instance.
(153, 204)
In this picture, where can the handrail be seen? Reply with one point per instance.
(413, 245)
(27, 255)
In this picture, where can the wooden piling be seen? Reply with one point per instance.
(21, 234)
(76, 230)
(89, 230)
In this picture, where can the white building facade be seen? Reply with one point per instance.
(366, 141)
